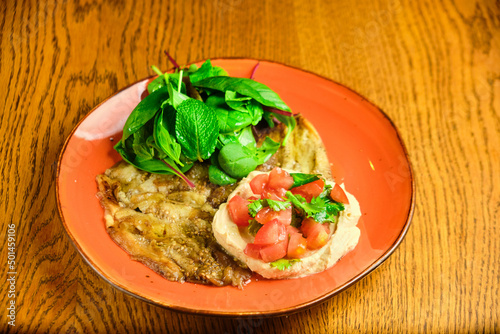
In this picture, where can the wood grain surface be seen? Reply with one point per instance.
(432, 66)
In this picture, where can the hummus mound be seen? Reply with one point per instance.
(342, 240)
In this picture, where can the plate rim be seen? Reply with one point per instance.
(272, 313)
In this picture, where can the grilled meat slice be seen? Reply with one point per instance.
(170, 232)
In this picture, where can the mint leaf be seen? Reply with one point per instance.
(196, 129)
(283, 264)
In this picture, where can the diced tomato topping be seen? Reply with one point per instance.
(274, 194)
(238, 210)
(253, 250)
(279, 178)
(317, 238)
(257, 184)
(338, 194)
(271, 233)
(309, 190)
(308, 225)
(291, 230)
(266, 214)
(274, 252)
(297, 246)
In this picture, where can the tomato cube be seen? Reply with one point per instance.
(317, 238)
(279, 178)
(258, 183)
(274, 252)
(338, 194)
(271, 233)
(253, 250)
(274, 194)
(297, 246)
(238, 210)
(309, 190)
(291, 230)
(266, 214)
(308, 225)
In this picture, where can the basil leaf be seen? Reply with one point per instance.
(256, 111)
(219, 177)
(139, 144)
(235, 101)
(144, 111)
(175, 97)
(299, 179)
(237, 160)
(156, 84)
(232, 120)
(266, 150)
(246, 87)
(244, 137)
(229, 120)
(150, 165)
(205, 71)
(290, 123)
(244, 104)
(196, 129)
(269, 118)
(164, 140)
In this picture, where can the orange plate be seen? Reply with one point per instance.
(363, 146)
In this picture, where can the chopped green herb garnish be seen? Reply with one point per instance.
(255, 206)
(283, 264)
(299, 179)
(320, 209)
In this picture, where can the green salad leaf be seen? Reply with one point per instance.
(196, 129)
(218, 176)
(205, 71)
(246, 87)
(144, 111)
(195, 114)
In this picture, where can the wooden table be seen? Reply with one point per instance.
(433, 67)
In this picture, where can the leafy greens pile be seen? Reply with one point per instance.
(198, 114)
